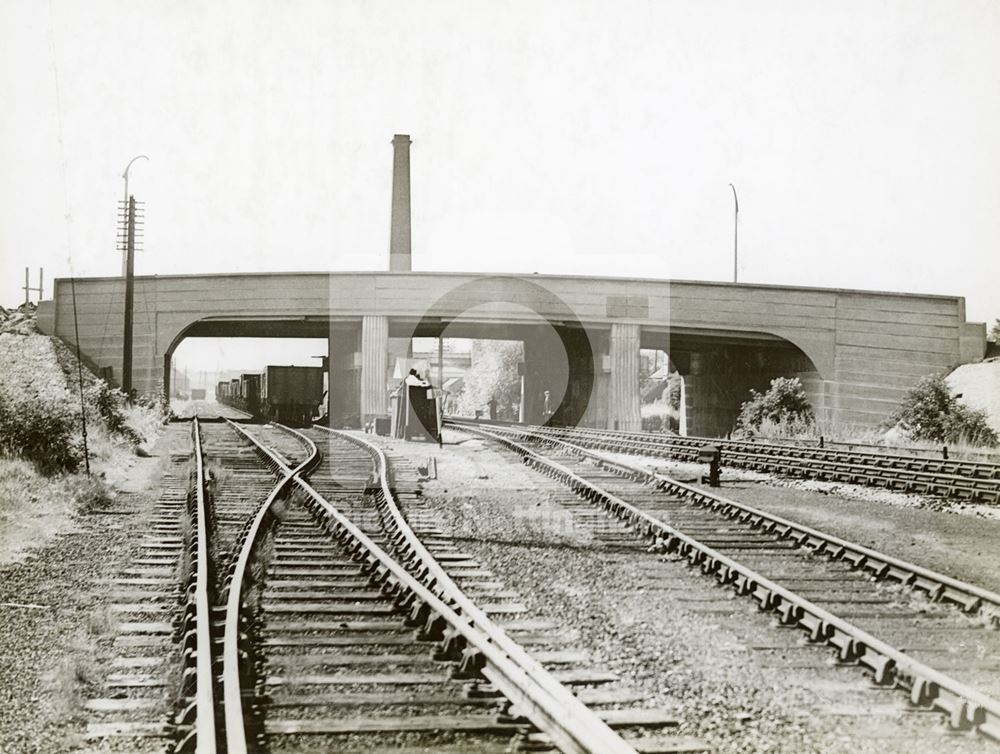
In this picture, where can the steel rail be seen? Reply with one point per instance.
(878, 460)
(549, 714)
(966, 707)
(430, 572)
(972, 479)
(232, 689)
(938, 586)
(961, 479)
(205, 689)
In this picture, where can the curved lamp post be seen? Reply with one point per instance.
(125, 176)
(736, 222)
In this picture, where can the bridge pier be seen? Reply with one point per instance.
(374, 366)
(344, 377)
(623, 390)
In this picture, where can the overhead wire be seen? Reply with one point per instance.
(69, 236)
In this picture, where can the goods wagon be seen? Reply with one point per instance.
(291, 395)
(250, 393)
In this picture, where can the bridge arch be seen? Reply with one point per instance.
(540, 363)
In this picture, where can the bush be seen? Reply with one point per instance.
(111, 407)
(652, 423)
(659, 417)
(42, 431)
(930, 412)
(785, 401)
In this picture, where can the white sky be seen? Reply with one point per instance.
(555, 137)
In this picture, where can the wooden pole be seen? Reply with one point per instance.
(129, 296)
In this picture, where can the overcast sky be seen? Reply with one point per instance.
(553, 137)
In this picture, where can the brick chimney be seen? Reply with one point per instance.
(400, 257)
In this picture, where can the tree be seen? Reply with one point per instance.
(674, 390)
(493, 375)
(784, 400)
(994, 334)
(930, 412)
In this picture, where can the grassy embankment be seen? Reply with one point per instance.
(42, 479)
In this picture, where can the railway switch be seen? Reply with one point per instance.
(711, 455)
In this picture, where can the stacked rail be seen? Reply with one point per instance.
(658, 496)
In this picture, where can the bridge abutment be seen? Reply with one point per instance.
(718, 380)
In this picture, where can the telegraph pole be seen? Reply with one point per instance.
(129, 297)
(28, 287)
(128, 236)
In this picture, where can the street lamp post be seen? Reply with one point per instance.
(736, 238)
(125, 176)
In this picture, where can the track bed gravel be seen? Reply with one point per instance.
(52, 657)
(735, 679)
(958, 540)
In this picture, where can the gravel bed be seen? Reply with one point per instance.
(734, 679)
(55, 629)
(955, 539)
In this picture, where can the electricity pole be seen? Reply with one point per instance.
(131, 219)
(28, 287)
(129, 296)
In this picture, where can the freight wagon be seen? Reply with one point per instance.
(291, 395)
(285, 394)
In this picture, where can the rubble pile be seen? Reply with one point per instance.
(19, 321)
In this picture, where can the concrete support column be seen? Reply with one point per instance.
(596, 414)
(343, 378)
(623, 394)
(374, 356)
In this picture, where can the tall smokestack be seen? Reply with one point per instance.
(399, 233)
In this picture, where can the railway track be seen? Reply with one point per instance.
(931, 636)
(962, 480)
(301, 631)
(147, 695)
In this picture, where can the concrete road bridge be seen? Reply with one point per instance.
(857, 352)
